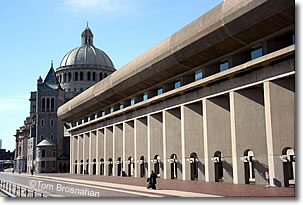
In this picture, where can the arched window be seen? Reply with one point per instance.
(119, 166)
(43, 104)
(174, 166)
(249, 170)
(94, 76)
(218, 159)
(81, 167)
(100, 76)
(52, 104)
(94, 167)
(156, 162)
(110, 167)
(88, 76)
(64, 80)
(142, 166)
(102, 166)
(76, 167)
(69, 76)
(81, 76)
(193, 160)
(76, 76)
(105, 75)
(47, 104)
(87, 167)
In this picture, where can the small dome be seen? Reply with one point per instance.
(46, 143)
(86, 55)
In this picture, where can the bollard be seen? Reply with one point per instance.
(5, 186)
(8, 186)
(12, 188)
(16, 190)
(26, 192)
(33, 193)
(20, 190)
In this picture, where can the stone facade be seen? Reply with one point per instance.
(42, 144)
(214, 102)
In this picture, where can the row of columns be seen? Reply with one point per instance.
(232, 123)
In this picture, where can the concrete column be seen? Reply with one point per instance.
(269, 133)
(183, 143)
(219, 136)
(78, 154)
(97, 153)
(83, 153)
(90, 166)
(164, 145)
(114, 150)
(130, 143)
(135, 148)
(279, 100)
(233, 137)
(105, 151)
(205, 140)
(141, 134)
(248, 134)
(148, 146)
(72, 161)
(123, 148)
(192, 120)
(155, 125)
(118, 141)
(172, 126)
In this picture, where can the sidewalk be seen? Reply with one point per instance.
(221, 189)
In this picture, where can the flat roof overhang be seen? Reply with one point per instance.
(228, 27)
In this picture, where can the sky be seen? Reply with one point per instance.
(34, 32)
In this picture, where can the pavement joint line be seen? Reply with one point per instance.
(134, 187)
(48, 194)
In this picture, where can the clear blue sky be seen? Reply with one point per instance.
(34, 32)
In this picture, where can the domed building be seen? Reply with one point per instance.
(83, 66)
(47, 142)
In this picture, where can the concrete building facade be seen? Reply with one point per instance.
(213, 102)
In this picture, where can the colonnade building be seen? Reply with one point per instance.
(213, 102)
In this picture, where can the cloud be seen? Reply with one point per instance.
(14, 103)
(99, 6)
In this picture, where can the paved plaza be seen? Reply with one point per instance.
(64, 185)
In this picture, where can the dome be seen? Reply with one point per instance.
(87, 53)
(46, 143)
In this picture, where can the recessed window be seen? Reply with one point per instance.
(54, 153)
(88, 119)
(198, 75)
(224, 65)
(121, 106)
(82, 121)
(68, 89)
(42, 123)
(256, 52)
(43, 164)
(52, 123)
(51, 136)
(42, 137)
(111, 110)
(145, 96)
(159, 91)
(75, 89)
(177, 84)
(43, 153)
(103, 113)
(132, 101)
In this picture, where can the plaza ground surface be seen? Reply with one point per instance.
(68, 185)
